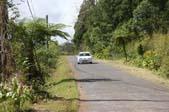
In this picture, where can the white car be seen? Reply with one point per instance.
(84, 57)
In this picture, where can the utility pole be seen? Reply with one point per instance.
(3, 34)
(47, 23)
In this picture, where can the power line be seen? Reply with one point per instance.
(33, 8)
(30, 10)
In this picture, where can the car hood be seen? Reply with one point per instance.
(84, 57)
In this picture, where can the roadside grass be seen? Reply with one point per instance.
(63, 88)
(7, 106)
(138, 72)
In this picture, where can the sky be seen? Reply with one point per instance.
(59, 11)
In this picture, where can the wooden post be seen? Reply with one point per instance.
(47, 23)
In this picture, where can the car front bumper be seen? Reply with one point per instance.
(85, 61)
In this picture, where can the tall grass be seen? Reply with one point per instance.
(63, 89)
(156, 53)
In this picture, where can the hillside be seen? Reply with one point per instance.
(136, 30)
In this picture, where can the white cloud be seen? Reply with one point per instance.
(59, 11)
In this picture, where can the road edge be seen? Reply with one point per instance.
(81, 107)
(132, 70)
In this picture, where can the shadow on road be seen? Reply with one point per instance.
(82, 81)
(89, 63)
(117, 100)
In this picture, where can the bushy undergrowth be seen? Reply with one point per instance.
(46, 60)
(13, 96)
(155, 56)
(48, 57)
(33, 56)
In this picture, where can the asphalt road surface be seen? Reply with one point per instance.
(107, 89)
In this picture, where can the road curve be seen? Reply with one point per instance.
(108, 89)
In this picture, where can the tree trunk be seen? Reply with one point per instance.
(124, 49)
(33, 73)
(32, 69)
(6, 67)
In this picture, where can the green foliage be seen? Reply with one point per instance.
(110, 27)
(29, 37)
(48, 57)
(36, 54)
(123, 35)
(121, 20)
(14, 93)
(155, 54)
(164, 69)
(145, 17)
(151, 60)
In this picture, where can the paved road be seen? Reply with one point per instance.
(107, 89)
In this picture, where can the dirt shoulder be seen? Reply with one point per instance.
(138, 72)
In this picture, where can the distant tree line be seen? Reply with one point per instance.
(105, 27)
(136, 30)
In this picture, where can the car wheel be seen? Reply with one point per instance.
(91, 62)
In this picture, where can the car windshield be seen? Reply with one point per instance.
(84, 54)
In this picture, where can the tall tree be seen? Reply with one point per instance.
(6, 57)
(97, 28)
(32, 34)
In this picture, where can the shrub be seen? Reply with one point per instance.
(151, 60)
(106, 53)
(48, 57)
(164, 69)
(137, 61)
(15, 94)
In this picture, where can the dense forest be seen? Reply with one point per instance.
(136, 30)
